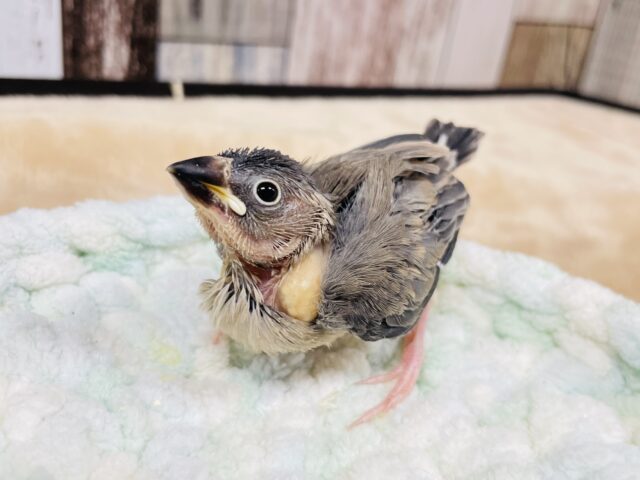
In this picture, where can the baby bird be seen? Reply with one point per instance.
(351, 245)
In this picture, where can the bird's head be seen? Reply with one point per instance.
(258, 205)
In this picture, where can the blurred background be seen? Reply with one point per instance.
(588, 46)
(554, 84)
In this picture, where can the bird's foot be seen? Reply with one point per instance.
(405, 374)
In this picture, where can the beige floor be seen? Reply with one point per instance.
(555, 178)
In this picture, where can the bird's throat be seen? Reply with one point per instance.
(267, 280)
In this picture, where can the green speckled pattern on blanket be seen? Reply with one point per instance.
(108, 370)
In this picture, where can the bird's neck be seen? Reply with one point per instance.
(263, 278)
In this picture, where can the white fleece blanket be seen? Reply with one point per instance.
(108, 371)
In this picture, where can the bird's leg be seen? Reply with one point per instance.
(405, 374)
(217, 337)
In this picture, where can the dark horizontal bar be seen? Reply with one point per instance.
(12, 86)
(601, 101)
(538, 23)
(197, 89)
(106, 87)
(160, 89)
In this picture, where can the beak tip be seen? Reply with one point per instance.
(203, 176)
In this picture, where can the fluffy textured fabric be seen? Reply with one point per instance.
(108, 370)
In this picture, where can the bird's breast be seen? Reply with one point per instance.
(300, 290)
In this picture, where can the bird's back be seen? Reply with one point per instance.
(398, 210)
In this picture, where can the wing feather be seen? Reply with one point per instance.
(399, 210)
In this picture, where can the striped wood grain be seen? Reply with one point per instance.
(261, 22)
(368, 42)
(545, 56)
(613, 68)
(30, 39)
(110, 39)
(476, 44)
(208, 63)
(563, 12)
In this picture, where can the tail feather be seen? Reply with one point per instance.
(461, 140)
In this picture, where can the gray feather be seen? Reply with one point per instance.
(398, 210)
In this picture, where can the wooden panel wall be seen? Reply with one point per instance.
(476, 43)
(30, 39)
(207, 63)
(613, 67)
(546, 56)
(224, 41)
(393, 43)
(559, 12)
(110, 39)
(259, 22)
(358, 43)
(549, 43)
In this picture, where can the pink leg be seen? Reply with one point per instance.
(405, 374)
(217, 337)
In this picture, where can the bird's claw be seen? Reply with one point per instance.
(382, 378)
(406, 374)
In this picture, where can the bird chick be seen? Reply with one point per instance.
(270, 224)
(350, 245)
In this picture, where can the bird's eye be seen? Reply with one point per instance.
(267, 192)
